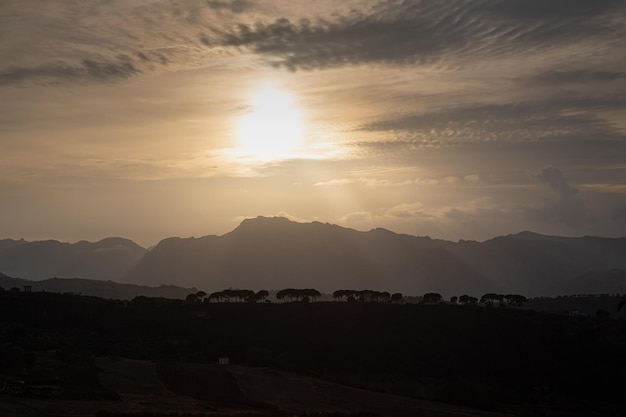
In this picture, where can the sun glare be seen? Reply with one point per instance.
(273, 127)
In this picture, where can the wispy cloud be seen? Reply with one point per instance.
(87, 70)
(444, 33)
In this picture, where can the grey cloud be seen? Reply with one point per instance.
(426, 32)
(553, 9)
(576, 76)
(565, 208)
(80, 37)
(532, 121)
(553, 177)
(119, 69)
(235, 6)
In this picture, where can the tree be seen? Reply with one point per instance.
(218, 296)
(454, 299)
(298, 294)
(282, 294)
(312, 294)
(396, 297)
(466, 299)
(341, 294)
(432, 298)
(515, 300)
(490, 299)
(261, 295)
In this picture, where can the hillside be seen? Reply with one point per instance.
(103, 289)
(267, 253)
(504, 360)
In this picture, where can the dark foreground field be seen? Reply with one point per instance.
(64, 355)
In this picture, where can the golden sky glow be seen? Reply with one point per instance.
(154, 118)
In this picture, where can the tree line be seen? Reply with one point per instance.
(311, 294)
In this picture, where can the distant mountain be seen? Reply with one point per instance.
(612, 281)
(277, 253)
(103, 289)
(109, 258)
(11, 243)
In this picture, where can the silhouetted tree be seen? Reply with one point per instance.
(454, 299)
(282, 294)
(261, 295)
(313, 294)
(432, 298)
(490, 299)
(466, 299)
(515, 300)
(217, 296)
(338, 294)
(247, 296)
(298, 294)
(396, 297)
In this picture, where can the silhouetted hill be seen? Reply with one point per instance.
(11, 243)
(109, 258)
(612, 281)
(103, 289)
(535, 264)
(513, 361)
(277, 253)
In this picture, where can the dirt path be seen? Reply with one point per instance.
(139, 388)
(296, 394)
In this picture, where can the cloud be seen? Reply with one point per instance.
(409, 210)
(442, 33)
(557, 77)
(565, 208)
(554, 178)
(234, 6)
(358, 217)
(518, 121)
(104, 41)
(118, 69)
(334, 182)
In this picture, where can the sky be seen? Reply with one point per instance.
(457, 119)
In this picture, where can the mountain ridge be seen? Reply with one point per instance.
(97, 288)
(108, 258)
(265, 252)
(275, 253)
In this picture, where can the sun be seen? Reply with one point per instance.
(272, 128)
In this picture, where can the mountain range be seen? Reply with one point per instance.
(96, 288)
(275, 253)
(110, 258)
